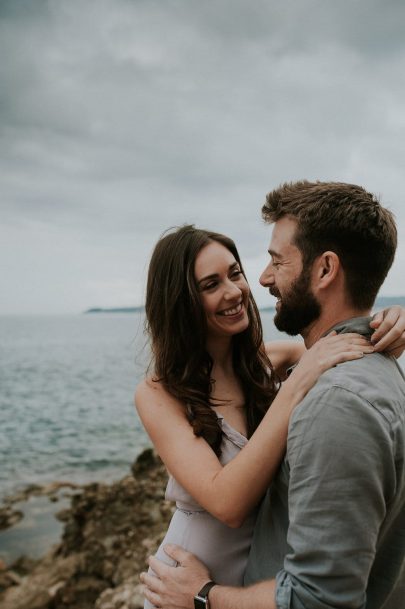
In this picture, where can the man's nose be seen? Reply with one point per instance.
(267, 277)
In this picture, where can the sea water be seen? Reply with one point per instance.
(66, 397)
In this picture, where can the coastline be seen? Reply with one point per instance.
(107, 532)
(381, 303)
(30, 519)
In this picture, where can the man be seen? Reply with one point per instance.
(331, 530)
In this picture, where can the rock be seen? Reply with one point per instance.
(24, 565)
(78, 592)
(127, 596)
(145, 462)
(55, 588)
(6, 580)
(9, 517)
(63, 515)
(14, 577)
(109, 531)
(35, 590)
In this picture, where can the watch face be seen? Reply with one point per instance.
(200, 603)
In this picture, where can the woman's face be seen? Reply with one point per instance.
(224, 290)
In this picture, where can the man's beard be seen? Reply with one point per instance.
(298, 307)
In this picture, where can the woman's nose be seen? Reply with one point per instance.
(232, 290)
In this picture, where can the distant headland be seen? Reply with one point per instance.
(116, 310)
(380, 303)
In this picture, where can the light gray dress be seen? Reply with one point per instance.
(222, 549)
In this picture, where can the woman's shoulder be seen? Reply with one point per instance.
(150, 393)
(148, 388)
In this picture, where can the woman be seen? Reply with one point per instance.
(210, 391)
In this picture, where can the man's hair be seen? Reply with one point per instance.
(345, 219)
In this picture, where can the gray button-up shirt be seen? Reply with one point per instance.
(331, 528)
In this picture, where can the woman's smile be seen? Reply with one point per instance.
(224, 290)
(233, 311)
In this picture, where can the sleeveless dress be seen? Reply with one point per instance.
(222, 549)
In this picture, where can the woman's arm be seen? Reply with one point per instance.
(283, 354)
(230, 492)
(388, 336)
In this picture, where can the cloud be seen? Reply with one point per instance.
(119, 119)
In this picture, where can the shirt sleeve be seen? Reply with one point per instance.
(342, 475)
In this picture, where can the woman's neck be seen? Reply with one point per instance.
(220, 349)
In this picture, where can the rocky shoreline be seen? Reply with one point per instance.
(109, 530)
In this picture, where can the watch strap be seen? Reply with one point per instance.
(201, 599)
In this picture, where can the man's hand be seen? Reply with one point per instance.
(389, 326)
(175, 587)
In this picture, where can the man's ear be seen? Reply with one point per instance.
(326, 268)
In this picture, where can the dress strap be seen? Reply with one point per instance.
(232, 434)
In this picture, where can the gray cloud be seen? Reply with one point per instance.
(119, 119)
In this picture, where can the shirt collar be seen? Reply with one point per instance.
(361, 325)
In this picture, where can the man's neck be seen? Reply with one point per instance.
(327, 321)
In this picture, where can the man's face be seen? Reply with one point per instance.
(286, 279)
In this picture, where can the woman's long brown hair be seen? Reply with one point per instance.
(176, 324)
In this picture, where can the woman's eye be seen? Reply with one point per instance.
(210, 286)
(236, 274)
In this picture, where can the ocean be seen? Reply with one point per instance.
(66, 397)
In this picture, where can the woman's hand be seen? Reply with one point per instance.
(389, 326)
(327, 352)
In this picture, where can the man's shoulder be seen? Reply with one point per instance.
(357, 404)
(375, 371)
(376, 380)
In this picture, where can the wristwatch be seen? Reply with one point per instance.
(201, 599)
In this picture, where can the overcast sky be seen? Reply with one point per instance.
(120, 118)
